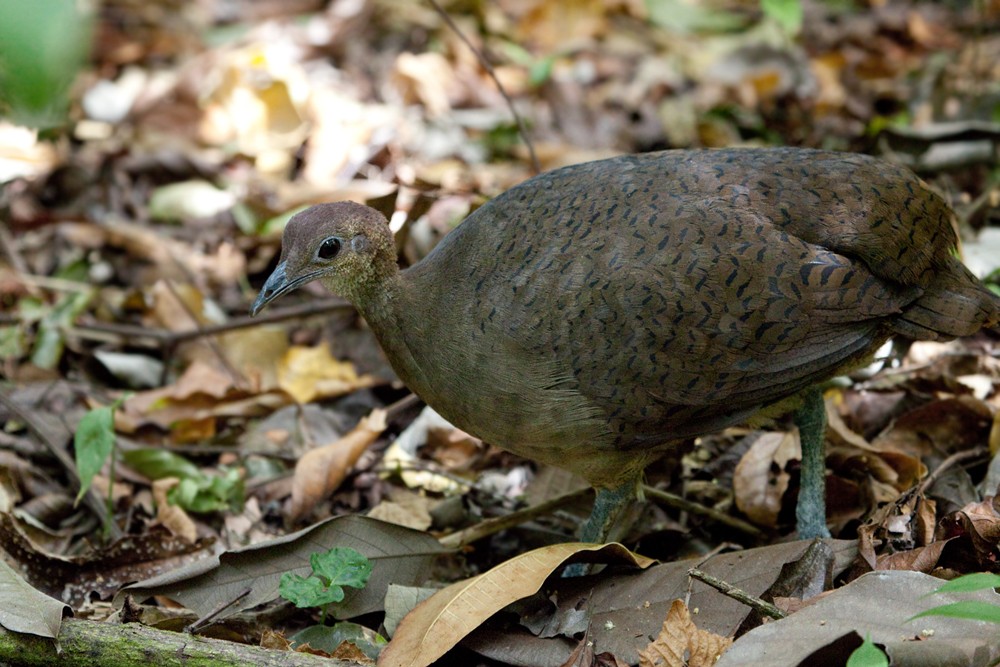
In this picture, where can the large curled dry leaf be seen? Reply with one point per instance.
(320, 471)
(25, 609)
(440, 622)
(680, 636)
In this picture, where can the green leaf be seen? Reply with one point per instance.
(309, 591)
(788, 14)
(203, 493)
(159, 463)
(342, 567)
(43, 43)
(977, 581)
(93, 441)
(868, 655)
(49, 341)
(970, 609)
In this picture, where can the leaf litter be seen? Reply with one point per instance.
(129, 242)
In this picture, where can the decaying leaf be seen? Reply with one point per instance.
(681, 643)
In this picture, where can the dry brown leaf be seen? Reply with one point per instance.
(174, 518)
(256, 352)
(320, 471)
(441, 621)
(583, 656)
(199, 388)
(349, 652)
(404, 508)
(921, 559)
(177, 307)
(679, 636)
(980, 523)
(275, 641)
(757, 488)
(308, 373)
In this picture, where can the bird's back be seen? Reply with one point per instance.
(634, 301)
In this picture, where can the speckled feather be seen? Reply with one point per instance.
(595, 314)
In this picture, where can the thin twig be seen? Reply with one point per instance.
(492, 526)
(237, 377)
(132, 334)
(210, 616)
(8, 247)
(675, 501)
(949, 462)
(740, 595)
(521, 128)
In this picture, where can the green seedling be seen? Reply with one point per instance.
(94, 444)
(324, 588)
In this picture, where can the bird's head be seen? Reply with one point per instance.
(346, 246)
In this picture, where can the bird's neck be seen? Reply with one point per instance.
(387, 309)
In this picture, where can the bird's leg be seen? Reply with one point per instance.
(810, 512)
(609, 506)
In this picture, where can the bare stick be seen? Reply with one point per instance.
(521, 128)
(729, 590)
(109, 332)
(675, 501)
(491, 526)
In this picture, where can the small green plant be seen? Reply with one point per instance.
(94, 443)
(331, 571)
(975, 610)
(197, 491)
(324, 588)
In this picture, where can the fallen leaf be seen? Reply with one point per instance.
(404, 508)
(679, 636)
(320, 471)
(879, 604)
(761, 479)
(309, 373)
(441, 621)
(398, 555)
(174, 518)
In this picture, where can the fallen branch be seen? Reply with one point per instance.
(84, 643)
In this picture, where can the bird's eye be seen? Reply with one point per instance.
(329, 248)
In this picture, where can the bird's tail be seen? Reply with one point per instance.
(955, 304)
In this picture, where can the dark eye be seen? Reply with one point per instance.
(329, 248)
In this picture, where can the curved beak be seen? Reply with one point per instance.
(276, 285)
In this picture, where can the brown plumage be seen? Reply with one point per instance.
(593, 315)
